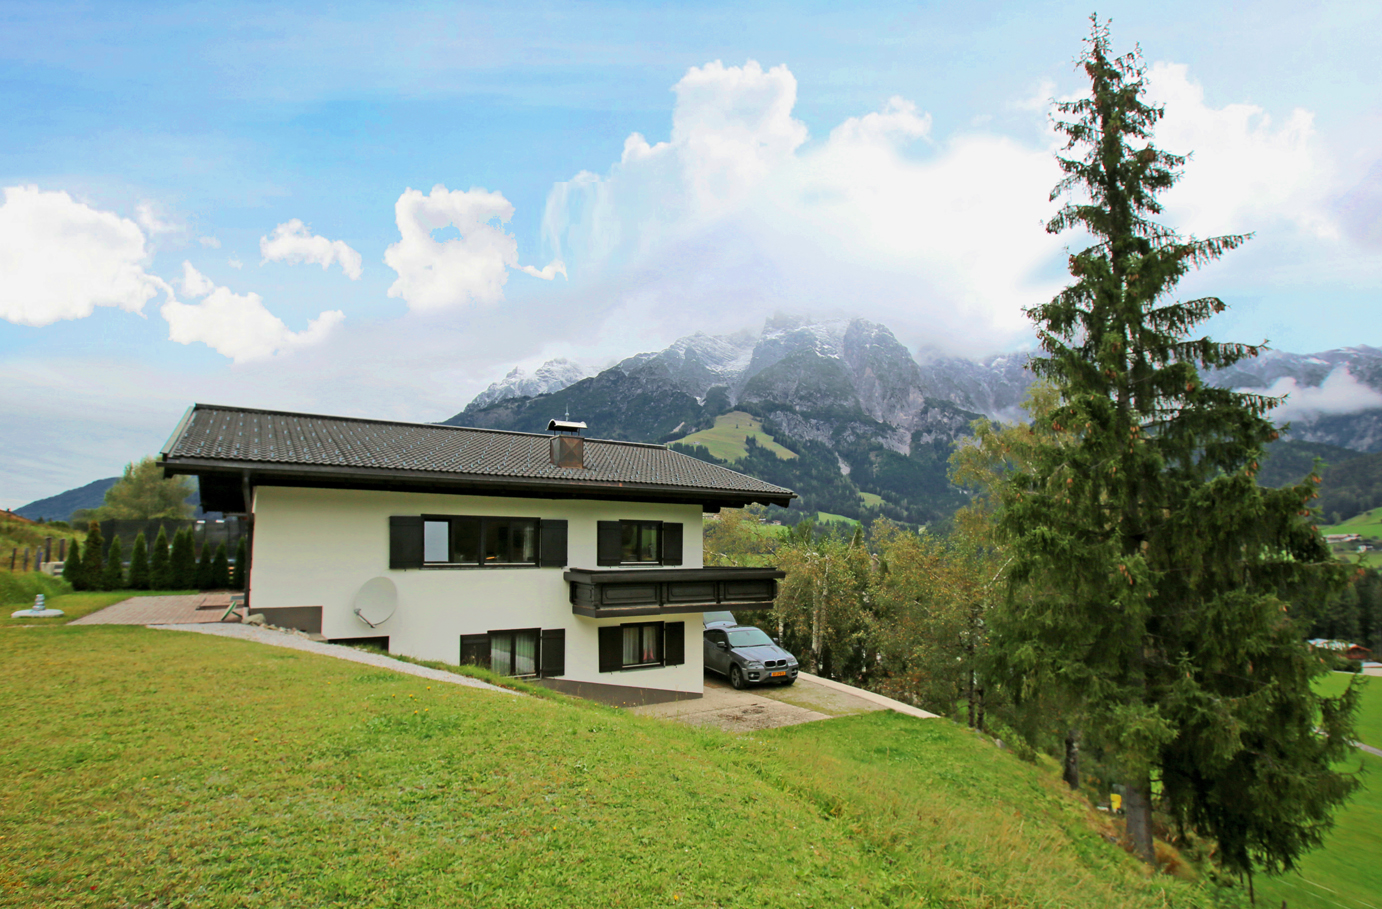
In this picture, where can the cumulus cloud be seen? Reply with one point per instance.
(294, 243)
(209, 242)
(737, 216)
(1339, 393)
(150, 219)
(456, 272)
(60, 259)
(1247, 169)
(237, 325)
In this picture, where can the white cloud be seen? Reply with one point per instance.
(436, 275)
(1246, 170)
(234, 262)
(60, 259)
(151, 220)
(237, 325)
(292, 242)
(209, 242)
(1339, 393)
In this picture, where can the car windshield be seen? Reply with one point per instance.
(749, 637)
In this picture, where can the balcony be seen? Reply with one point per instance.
(616, 593)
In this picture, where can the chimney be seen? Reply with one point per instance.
(568, 448)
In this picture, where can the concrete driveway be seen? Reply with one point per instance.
(770, 706)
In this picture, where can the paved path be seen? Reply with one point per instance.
(769, 706)
(193, 609)
(296, 642)
(1375, 752)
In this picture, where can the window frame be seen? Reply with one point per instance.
(484, 523)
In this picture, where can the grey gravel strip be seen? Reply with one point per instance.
(1375, 752)
(295, 642)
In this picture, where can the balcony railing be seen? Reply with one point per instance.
(662, 591)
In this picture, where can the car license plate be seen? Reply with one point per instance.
(778, 673)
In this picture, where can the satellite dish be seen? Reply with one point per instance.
(376, 601)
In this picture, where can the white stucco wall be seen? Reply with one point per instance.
(316, 547)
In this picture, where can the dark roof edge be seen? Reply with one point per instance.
(327, 416)
(172, 442)
(198, 466)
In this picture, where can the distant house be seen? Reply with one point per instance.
(574, 561)
(1344, 649)
(1343, 538)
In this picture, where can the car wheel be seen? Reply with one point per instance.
(736, 678)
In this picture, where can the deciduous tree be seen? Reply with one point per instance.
(142, 494)
(1149, 567)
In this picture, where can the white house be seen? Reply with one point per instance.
(575, 562)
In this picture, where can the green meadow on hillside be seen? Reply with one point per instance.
(1345, 872)
(162, 769)
(728, 439)
(1369, 524)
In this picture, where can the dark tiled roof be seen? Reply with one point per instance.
(237, 437)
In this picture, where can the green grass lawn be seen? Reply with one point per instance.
(727, 440)
(871, 499)
(166, 769)
(1345, 872)
(825, 517)
(1369, 524)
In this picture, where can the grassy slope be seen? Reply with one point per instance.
(1345, 872)
(151, 768)
(727, 440)
(872, 500)
(1369, 524)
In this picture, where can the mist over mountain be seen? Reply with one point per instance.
(871, 425)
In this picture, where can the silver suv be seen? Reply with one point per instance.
(746, 655)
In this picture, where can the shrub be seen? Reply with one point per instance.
(220, 569)
(139, 564)
(113, 576)
(160, 568)
(203, 574)
(240, 579)
(93, 553)
(72, 570)
(183, 561)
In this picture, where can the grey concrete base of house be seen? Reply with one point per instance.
(770, 706)
(617, 695)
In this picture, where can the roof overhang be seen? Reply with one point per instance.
(225, 483)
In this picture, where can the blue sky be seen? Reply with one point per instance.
(212, 202)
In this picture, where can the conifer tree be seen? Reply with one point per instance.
(113, 575)
(220, 569)
(1149, 569)
(93, 564)
(241, 576)
(139, 564)
(183, 565)
(72, 570)
(203, 570)
(160, 567)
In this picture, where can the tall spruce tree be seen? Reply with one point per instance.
(93, 562)
(241, 575)
(220, 569)
(160, 568)
(1150, 570)
(139, 564)
(183, 568)
(72, 570)
(203, 578)
(113, 575)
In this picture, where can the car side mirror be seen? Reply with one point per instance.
(722, 645)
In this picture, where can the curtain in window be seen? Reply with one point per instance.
(501, 654)
(641, 644)
(525, 653)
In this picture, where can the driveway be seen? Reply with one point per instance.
(770, 706)
(191, 609)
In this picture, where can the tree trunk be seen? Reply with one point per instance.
(970, 697)
(979, 709)
(1137, 806)
(1071, 771)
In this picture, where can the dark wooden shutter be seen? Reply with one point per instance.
(405, 541)
(609, 541)
(553, 544)
(475, 650)
(671, 544)
(611, 648)
(674, 643)
(553, 652)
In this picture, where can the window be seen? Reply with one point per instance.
(479, 541)
(517, 652)
(642, 645)
(640, 541)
